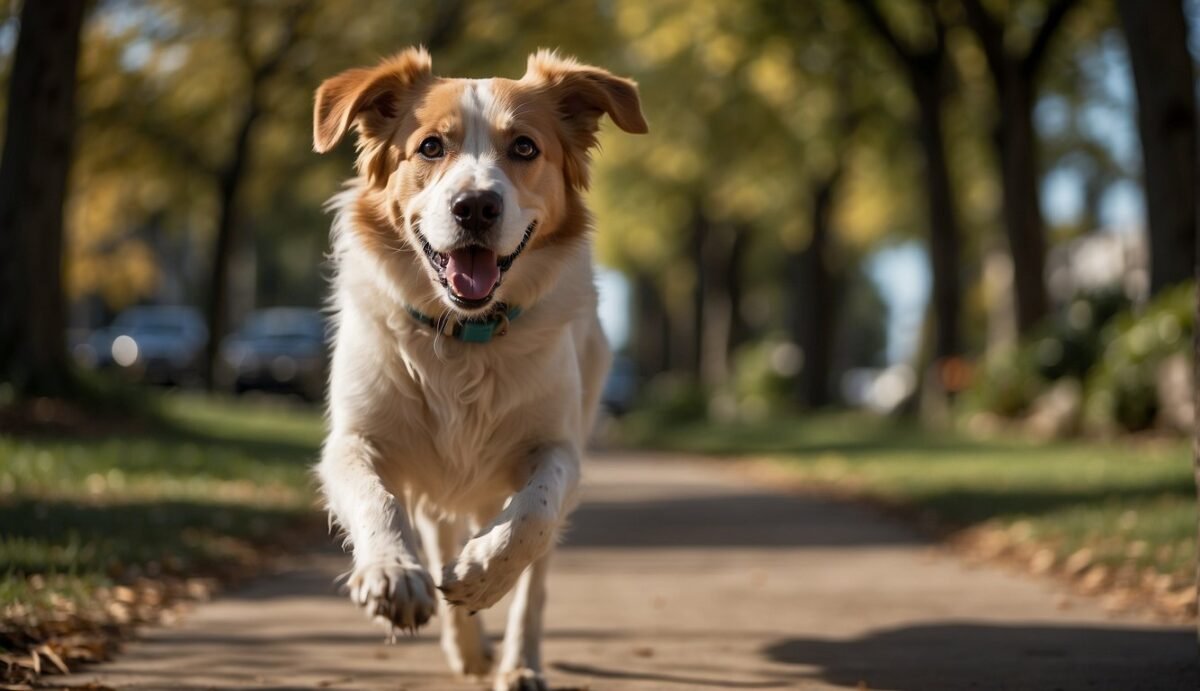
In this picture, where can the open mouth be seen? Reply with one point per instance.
(471, 273)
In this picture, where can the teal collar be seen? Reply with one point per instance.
(480, 330)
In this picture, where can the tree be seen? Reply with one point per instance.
(260, 68)
(691, 265)
(927, 70)
(815, 291)
(33, 183)
(1014, 74)
(1156, 33)
(816, 280)
(1196, 400)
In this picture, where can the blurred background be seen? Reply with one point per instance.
(897, 221)
(842, 203)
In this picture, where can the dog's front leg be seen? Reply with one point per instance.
(388, 579)
(492, 561)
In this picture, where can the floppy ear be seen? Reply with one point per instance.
(583, 94)
(375, 97)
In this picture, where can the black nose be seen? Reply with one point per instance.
(477, 211)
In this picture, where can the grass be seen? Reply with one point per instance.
(201, 492)
(1130, 503)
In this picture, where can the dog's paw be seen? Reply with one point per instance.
(397, 594)
(523, 679)
(490, 564)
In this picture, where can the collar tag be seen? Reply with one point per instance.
(476, 332)
(472, 331)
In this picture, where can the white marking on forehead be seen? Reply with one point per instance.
(481, 112)
(476, 99)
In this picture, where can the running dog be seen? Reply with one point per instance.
(468, 359)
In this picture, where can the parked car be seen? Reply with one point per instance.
(157, 345)
(620, 389)
(283, 349)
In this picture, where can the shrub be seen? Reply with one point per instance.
(1122, 387)
(1066, 345)
(1069, 344)
(1005, 384)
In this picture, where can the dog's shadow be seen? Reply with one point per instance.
(961, 655)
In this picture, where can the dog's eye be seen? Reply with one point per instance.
(524, 149)
(432, 148)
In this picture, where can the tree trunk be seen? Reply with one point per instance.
(697, 241)
(1196, 399)
(651, 336)
(927, 72)
(229, 182)
(33, 185)
(722, 257)
(1156, 33)
(814, 289)
(1015, 78)
(739, 330)
(1019, 178)
(944, 252)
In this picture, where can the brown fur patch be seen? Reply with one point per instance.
(375, 227)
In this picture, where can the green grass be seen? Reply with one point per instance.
(209, 483)
(1131, 502)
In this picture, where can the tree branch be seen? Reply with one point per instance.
(939, 29)
(990, 34)
(291, 30)
(241, 33)
(1045, 35)
(871, 12)
(262, 67)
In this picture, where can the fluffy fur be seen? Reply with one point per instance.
(452, 466)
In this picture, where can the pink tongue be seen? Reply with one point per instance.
(473, 272)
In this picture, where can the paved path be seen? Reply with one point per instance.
(680, 574)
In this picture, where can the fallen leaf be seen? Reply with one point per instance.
(53, 657)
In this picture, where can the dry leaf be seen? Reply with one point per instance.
(53, 657)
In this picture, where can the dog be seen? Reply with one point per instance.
(468, 359)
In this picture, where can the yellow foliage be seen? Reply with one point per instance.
(864, 214)
(772, 74)
(102, 257)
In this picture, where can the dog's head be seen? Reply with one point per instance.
(474, 173)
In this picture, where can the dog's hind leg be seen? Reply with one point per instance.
(463, 640)
(521, 661)
(388, 579)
